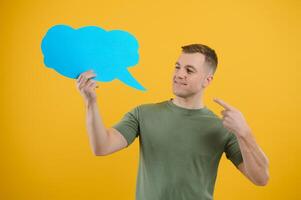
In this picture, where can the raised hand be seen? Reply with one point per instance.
(86, 86)
(233, 119)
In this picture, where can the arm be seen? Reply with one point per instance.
(256, 164)
(103, 141)
(97, 133)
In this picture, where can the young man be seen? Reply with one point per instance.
(181, 140)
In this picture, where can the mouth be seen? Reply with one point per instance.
(178, 83)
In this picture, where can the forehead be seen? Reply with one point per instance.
(195, 59)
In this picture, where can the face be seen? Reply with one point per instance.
(191, 75)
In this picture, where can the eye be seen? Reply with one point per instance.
(189, 71)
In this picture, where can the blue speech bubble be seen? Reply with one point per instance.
(108, 53)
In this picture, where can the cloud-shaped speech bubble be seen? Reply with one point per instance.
(108, 53)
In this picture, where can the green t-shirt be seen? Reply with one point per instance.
(180, 150)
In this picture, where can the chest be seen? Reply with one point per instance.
(181, 134)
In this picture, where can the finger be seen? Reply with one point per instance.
(223, 104)
(83, 74)
(227, 119)
(225, 112)
(90, 75)
(226, 122)
(93, 85)
(79, 81)
(87, 73)
(85, 83)
(86, 78)
(79, 78)
(82, 82)
(90, 83)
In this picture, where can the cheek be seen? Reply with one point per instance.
(197, 83)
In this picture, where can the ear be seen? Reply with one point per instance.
(207, 80)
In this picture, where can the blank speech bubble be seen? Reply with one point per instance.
(108, 53)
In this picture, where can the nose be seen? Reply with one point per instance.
(181, 74)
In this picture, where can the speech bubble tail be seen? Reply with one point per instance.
(125, 76)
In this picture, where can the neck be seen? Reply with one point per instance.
(192, 102)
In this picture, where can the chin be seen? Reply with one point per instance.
(181, 94)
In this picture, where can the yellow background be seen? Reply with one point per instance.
(45, 152)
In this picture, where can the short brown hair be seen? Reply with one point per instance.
(210, 55)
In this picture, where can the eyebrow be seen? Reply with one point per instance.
(190, 66)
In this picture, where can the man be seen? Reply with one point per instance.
(181, 140)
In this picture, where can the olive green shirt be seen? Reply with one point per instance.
(180, 150)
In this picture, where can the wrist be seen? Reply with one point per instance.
(245, 133)
(91, 103)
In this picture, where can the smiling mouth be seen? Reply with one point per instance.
(179, 83)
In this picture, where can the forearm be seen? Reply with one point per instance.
(255, 161)
(96, 130)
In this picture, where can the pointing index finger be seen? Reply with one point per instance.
(223, 104)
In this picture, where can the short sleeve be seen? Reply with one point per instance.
(232, 150)
(129, 126)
